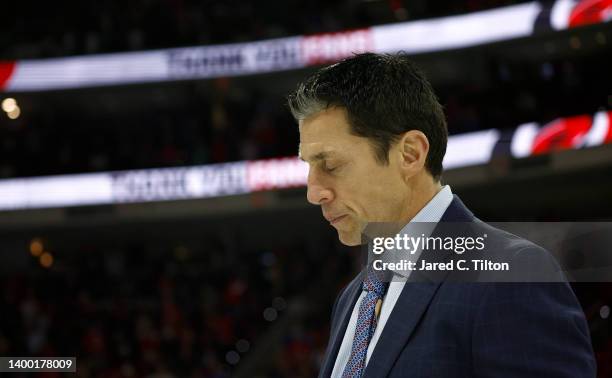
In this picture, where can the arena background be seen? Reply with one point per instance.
(128, 241)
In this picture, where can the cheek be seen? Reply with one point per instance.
(368, 193)
(380, 200)
(365, 199)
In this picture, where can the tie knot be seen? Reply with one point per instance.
(374, 283)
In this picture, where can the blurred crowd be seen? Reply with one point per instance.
(183, 310)
(45, 29)
(195, 310)
(214, 129)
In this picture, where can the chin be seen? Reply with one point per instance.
(349, 239)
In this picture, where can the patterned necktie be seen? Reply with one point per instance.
(366, 324)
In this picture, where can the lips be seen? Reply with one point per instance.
(335, 219)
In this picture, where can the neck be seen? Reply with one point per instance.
(422, 191)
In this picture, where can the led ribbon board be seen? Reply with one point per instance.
(215, 180)
(296, 52)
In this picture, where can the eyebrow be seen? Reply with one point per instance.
(317, 157)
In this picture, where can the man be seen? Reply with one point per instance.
(374, 136)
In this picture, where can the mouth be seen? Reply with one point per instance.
(335, 220)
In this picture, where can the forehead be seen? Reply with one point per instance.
(327, 134)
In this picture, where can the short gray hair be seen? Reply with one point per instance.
(303, 104)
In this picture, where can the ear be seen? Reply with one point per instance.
(413, 148)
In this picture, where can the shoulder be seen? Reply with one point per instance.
(504, 239)
(505, 246)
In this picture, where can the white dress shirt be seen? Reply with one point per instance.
(432, 212)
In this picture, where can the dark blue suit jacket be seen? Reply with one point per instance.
(449, 329)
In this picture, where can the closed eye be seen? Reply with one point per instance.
(330, 169)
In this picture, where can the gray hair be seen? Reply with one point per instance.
(303, 104)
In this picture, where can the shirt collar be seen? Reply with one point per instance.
(432, 212)
(435, 208)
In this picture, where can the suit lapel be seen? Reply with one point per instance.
(337, 334)
(411, 305)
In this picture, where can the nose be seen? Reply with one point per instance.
(318, 193)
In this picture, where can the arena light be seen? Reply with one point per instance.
(46, 260)
(9, 104)
(14, 113)
(36, 247)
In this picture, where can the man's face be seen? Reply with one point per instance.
(346, 179)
